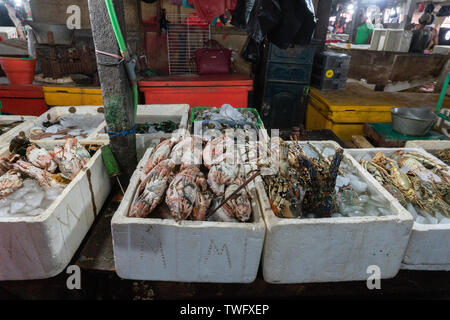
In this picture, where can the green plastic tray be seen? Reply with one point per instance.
(385, 130)
(255, 112)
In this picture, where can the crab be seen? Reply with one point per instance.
(44, 178)
(151, 190)
(7, 162)
(10, 182)
(188, 150)
(41, 158)
(239, 206)
(221, 175)
(160, 153)
(218, 150)
(70, 158)
(183, 193)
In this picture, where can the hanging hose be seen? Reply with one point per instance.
(117, 31)
(124, 52)
(441, 98)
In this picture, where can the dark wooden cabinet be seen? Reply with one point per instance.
(282, 85)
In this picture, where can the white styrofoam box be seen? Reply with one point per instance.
(10, 134)
(334, 249)
(154, 113)
(445, 50)
(428, 247)
(55, 112)
(430, 146)
(186, 251)
(42, 246)
(397, 40)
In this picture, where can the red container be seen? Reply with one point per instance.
(26, 100)
(203, 91)
(19, 70)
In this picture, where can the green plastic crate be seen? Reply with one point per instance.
(255, 112)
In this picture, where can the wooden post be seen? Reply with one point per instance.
(323, 17)
(354, 24)
(116, 88)
(410, 7)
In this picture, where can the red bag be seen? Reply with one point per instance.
(213, 61)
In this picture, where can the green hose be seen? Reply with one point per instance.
(441, 98)
(117, 31)
(123, 48)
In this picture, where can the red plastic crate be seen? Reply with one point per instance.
(205, 91)
(26, 100)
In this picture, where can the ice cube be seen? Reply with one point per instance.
(438, 216)
(356, 213)
(342, 181)
(53, 193)
(17, 206)
(412, 210)
(328, 152)
(34, 199)
(5, 202)
(357, 184)
(4, 211)
(46, 204)
(421, 220)
(363, 198)
(428, 217)
(310, 153)
(18, 194)
(54, 129)
(31, 185)
(384, 211)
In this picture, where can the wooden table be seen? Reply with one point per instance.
(382, 67)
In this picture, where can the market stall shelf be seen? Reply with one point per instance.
(6, 134)
(41, 246)
(340, 248)
(185, 251)
(428, 244)
(157, 114)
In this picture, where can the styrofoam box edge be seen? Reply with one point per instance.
(41, 247)
(55, 112)
(186, 251)
(144, 113)
(425, 249)
(429, 145)
(316, 248)
(8, 136)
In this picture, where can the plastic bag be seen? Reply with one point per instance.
(227, 112)
(251, 51)
(245, 17)
(284, 22)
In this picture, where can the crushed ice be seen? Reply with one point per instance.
(30, 200)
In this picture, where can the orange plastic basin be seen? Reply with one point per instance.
(19, 70)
